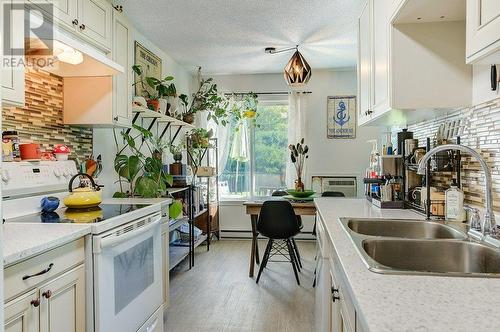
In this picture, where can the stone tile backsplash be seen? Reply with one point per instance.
(41, 119)
(483, 134)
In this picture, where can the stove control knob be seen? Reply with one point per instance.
(57, 172)
(5, 175)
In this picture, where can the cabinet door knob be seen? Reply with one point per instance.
(35, 302)
(75, 22)
(115, 118)
(82, 27)
(47, 294)
(118, 8)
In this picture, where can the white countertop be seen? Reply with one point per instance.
(21, 241)
(408, 303)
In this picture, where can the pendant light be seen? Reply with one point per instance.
(297, 71)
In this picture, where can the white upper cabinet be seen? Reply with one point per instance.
(12, 73)
(104, 101)
(122, 82)
(95, 21)
(90, 20)
(483, 31)
(380, 56)
(364, 65)
(65, 12)
(415, 56)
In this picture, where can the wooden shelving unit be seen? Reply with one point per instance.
(166, 122)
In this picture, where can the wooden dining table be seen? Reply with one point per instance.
(253, 206)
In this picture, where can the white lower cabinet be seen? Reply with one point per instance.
(62, 303)
(334, 307)
(46, 293)
(21, 315)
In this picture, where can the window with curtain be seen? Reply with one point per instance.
(255, 160)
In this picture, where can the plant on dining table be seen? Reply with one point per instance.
(298, 156)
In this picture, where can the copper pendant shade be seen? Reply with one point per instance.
(297, 71)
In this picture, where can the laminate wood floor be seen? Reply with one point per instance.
(217, 294)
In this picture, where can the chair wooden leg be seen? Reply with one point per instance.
(292, 259)
(264, 259)
(297, 254)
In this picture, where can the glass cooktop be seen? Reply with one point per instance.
(89, 215)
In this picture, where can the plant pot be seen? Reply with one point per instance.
(154, 104)
(188, 118)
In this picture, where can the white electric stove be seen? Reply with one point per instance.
(126, 268)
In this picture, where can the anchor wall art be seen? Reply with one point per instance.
(341, 117)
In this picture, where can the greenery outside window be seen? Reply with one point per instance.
(265, 169)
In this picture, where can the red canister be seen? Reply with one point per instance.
(30, 151)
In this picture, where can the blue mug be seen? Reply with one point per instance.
(49, 203)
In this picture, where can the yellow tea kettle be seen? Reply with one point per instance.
(84, 196)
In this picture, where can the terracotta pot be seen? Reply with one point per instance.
(154, 104)
(188, 118)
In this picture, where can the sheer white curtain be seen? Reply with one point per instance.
(297, 124)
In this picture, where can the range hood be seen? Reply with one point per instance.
(60, 54)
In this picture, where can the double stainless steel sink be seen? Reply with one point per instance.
(421, 247)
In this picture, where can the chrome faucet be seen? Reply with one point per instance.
(488, 226)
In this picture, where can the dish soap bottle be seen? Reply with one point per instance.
(454, 198)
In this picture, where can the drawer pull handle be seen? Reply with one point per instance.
(47, 294)
(75, 22)
(51, 265)
(82, 27)
(35, 302)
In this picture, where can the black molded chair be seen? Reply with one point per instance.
(282, 193)
(278, 222)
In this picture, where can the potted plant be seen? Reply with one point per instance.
(176, 151)
(159, 145)
(139, 174)
(298, 156)
(200, 138)
(161, 87)
(208, 99)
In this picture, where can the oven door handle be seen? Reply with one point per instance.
(116, 240)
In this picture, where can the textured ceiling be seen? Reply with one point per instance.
(229, 36)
